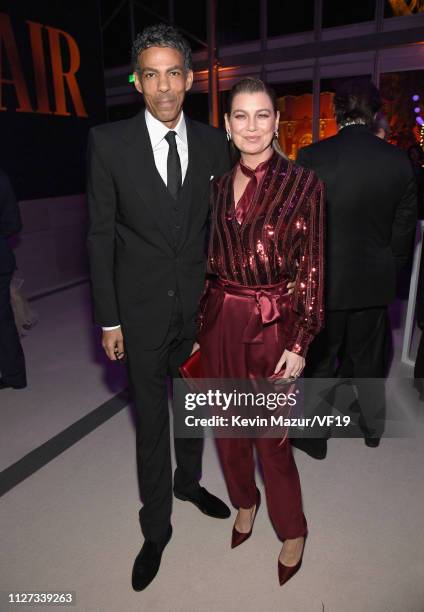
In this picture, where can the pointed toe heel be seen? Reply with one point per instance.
(237, 537)
(285, 572)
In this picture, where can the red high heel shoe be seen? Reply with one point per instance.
(285, 572)
(237, 537)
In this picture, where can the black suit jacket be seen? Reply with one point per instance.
(10, 223)
(420, 292)
(138, 258)
(371, 213)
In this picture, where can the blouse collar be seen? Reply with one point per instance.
(260, 168)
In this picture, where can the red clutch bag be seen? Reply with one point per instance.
(192, 367)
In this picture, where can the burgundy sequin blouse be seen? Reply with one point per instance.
(281, 239)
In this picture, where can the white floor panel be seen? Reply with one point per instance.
(67, 375)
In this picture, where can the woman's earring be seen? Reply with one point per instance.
(228, 136)
(276, 134)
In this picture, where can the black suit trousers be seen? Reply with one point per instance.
(148, 371)
(360, 337)
(12, 360)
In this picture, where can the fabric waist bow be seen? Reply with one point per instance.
(270, 300)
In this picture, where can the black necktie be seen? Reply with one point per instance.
(173, 166)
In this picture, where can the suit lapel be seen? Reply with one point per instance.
(196, 181)
(140, 164)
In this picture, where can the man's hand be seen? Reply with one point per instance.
(113, 344)
(290, 287)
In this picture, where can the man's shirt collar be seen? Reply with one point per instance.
(157, 130)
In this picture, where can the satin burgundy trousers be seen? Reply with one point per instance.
(236, 344)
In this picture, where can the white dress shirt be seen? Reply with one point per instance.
(157, 132)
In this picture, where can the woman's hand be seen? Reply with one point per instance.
(290, 286)
(195, 347)
(294, 364)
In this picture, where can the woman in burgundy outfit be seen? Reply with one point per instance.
(267, 229)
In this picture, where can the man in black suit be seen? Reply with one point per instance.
(371, 217)
(12, 360)
(148, 195)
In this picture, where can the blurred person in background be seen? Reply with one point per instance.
(381, 127)
(12, 360)
(416, 155)
(371, 219)
(419, 361)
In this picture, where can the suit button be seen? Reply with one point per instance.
(177, 227)
(171, 293)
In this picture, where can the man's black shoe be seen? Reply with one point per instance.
(314, 447)
(207, 503)
(147, 563)
(370, 439)
(5, 385)
(372, 442)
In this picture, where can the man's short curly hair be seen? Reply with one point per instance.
(161, 35)
(356, 99)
